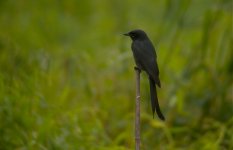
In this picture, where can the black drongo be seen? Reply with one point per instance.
(145, 59)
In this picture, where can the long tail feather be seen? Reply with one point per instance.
(154, 100)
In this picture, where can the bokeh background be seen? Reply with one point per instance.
(67, 80)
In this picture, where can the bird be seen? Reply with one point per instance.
(145, 58)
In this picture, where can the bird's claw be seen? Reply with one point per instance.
(138, 69)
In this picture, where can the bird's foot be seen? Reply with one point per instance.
(138, 69)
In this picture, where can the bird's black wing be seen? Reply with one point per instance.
(145, 56)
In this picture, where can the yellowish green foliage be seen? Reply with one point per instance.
(67, 80)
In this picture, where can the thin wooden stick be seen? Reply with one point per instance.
(137, 110)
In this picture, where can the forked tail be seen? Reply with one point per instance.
(154, 100)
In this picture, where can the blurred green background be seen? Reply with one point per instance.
(67, 80)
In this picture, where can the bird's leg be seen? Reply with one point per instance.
(138, 69)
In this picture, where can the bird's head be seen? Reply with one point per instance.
(137, 35)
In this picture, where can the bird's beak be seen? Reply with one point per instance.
(126, 34)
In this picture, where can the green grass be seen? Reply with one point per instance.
(67, 78)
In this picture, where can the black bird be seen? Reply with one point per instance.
(146, 59)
